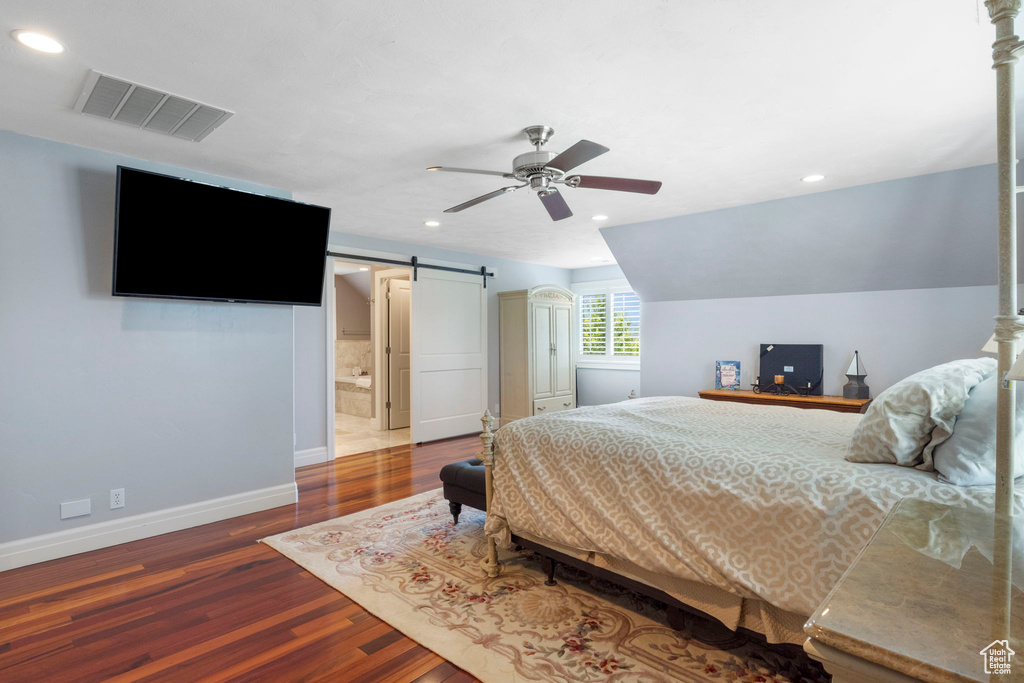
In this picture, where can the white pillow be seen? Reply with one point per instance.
(968, 457)
(909, 419)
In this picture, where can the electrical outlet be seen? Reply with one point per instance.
(497, 408)
(116, 499)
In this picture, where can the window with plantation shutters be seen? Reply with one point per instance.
(625, 324)
(594, 324)
(608, 323)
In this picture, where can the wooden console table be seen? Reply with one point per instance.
(834, 403)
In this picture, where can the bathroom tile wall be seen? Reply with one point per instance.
(349, 354)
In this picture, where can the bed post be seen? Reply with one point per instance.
(1008, 324)
(490, 563)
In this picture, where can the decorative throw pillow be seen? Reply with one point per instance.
(968, 457)
(909, 419)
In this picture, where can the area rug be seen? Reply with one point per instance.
(408, 564)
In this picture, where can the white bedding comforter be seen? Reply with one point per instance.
(756, 500)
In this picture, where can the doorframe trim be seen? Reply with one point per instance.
(330, 334)
(331, 322)
(379, 322)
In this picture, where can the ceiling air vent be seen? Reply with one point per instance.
(120, 100)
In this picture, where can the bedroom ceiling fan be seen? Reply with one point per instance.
(541, 169)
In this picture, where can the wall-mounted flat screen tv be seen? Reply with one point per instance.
(180, 239)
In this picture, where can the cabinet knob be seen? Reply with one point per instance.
(540, 407)
(566, 404)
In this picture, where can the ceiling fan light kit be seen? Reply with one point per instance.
(540, 169)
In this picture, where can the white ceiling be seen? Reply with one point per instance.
(346, 103)
(345, 268)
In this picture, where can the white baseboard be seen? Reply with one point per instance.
(103, 534)
(311, 456)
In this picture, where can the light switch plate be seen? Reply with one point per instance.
(75, 508)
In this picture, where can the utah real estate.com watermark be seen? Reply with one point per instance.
(997, 657)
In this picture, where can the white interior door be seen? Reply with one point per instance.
(399, 404)
(449, 354)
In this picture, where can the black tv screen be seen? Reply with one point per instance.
(180, 239)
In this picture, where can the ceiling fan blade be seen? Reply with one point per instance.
(596, 182)
(482, 198)
(555, 204)
(451, 169)
(580, 153)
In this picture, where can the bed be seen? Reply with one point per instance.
(747, 513)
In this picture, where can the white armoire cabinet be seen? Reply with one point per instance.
(536, 348)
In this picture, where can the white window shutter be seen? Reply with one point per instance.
(594, 324)
(625, 324)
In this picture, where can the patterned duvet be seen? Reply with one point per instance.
(755, 500)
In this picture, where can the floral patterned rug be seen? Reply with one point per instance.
(406, 563)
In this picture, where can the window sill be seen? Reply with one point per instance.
(608, 365)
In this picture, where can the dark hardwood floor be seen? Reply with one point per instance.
(212, 604)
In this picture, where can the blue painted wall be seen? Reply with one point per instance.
(177, 402)
(928, 231)
(903, 271)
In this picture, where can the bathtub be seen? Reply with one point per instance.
(352, 395)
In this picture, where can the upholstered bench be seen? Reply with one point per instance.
(464, 484)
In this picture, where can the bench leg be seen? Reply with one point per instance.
(456, 509)
(676, 619)
(549, 566)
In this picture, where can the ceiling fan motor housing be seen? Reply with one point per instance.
(534, 163)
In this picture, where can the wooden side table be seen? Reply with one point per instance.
(834, 403)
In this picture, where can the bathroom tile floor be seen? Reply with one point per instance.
(356, 435)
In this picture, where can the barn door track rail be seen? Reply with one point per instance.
(415, 264)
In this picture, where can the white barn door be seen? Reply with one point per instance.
(449, 354)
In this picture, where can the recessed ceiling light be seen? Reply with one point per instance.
(599, 217)
(37, 41)
(364, 269)
(431, 224)
(813, 178)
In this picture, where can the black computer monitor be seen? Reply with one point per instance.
(800, 364)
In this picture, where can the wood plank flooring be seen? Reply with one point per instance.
(211, 604)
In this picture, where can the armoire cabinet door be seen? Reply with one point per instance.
(562, 323)
(543, 358)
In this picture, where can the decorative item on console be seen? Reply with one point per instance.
(727, 374)
(856, 388)
(779, 386)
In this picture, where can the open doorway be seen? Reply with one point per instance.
(367, 402)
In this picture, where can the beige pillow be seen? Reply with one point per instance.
(909, 419)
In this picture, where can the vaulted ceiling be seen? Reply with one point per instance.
(346, 103)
